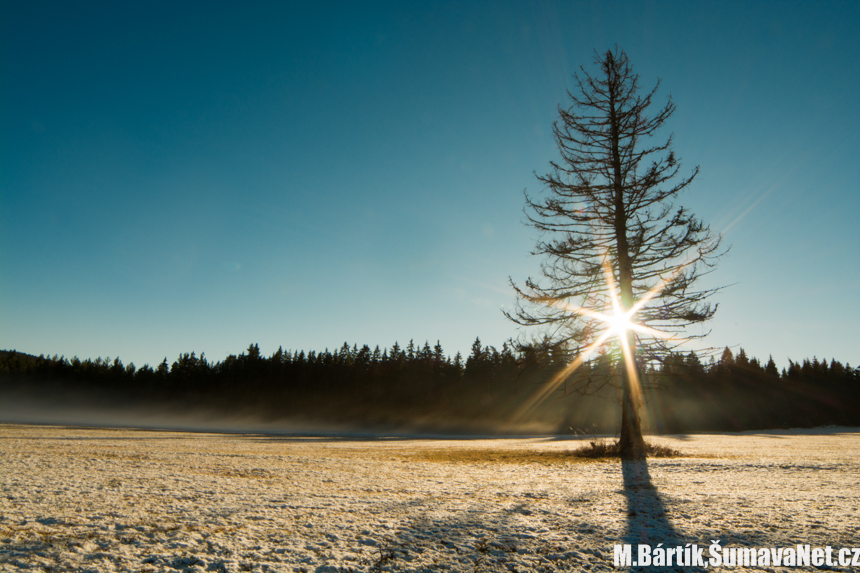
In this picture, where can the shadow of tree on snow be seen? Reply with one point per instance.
(647, 520)
(518, 533)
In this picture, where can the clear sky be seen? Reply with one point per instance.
(199, 176)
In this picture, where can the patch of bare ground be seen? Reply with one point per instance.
(594, 451)
(505, 456)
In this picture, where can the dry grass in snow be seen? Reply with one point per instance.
(124, 500)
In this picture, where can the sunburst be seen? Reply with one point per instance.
(619, 323)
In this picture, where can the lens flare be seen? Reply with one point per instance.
(620, 323)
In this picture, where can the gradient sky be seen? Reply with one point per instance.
(199, 176)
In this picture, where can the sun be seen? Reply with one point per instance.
(619, 323)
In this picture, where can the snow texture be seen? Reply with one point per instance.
(74, 499)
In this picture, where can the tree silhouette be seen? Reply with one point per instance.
(616, 249)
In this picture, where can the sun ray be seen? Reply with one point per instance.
(556, 381)
(619, 323)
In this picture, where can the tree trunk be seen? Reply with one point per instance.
(631, 443)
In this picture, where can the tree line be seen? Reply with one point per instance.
(420, 387)
(738, 393)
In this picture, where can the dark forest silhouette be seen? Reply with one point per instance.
(420, 388)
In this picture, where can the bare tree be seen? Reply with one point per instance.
(621, 261)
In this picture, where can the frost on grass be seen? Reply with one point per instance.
(123, 500)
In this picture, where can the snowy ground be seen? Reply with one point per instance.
(124, 500)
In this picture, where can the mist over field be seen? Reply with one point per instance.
(17, 409)
(93, 409)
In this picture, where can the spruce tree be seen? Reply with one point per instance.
(621, 261)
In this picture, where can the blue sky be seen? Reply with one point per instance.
(180, 177)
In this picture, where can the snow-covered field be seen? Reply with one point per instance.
(125, 500)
